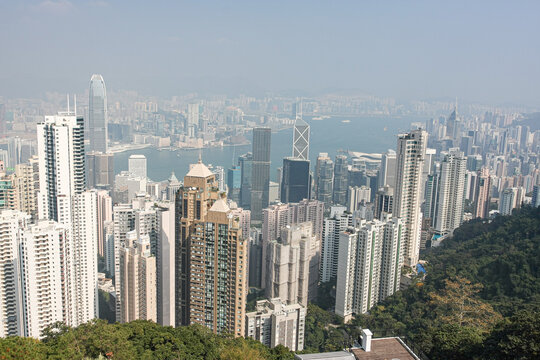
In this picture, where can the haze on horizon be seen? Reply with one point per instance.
(480, 51)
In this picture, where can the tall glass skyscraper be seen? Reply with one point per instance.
(97, 114)
(260, 172)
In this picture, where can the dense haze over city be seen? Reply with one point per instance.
(234, 180)
(480, 51)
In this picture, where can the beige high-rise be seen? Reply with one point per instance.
(411, 150)
(212, 258)
(292, 265)
(137, 285)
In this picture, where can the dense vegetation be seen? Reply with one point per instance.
(136, 340)
(480, 299)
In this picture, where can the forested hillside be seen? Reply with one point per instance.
(480, 298)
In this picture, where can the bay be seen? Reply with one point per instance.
(330, 135)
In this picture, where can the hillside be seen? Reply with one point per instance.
(480, 298)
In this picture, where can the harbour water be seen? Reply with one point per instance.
(363, 134)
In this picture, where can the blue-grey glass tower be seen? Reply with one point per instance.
(260, 184)
(295, 181)
(97, 115)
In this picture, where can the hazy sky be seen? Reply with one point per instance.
(486, 51)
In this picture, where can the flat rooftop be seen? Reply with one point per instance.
(337, 355)
(385, 349)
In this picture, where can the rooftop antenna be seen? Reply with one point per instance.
(200, 156)
(67, 96)
(455, 107)
(75, 101)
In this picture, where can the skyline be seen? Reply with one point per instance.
(480, 52)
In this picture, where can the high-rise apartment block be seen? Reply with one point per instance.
(292, 264)
(451, 193)
(483, 194)
(274, 322)
(137, 166)
(411, 149)
(369, 267)
(333, 226)
(209, 243)
(137, 282)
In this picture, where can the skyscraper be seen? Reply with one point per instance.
(209, 242)
(97, 114)
(61, 165)
(483, 194)
(370, 265)
(387, 175)
(246, 164)
(260, 172)
(341, 180)
(409, 193)
(234, 183)
(192, 120)
(137, 166)
(451, 194)
(100, 170)
(324, 179)
(301, 140)
(295, 181)
(292, 265)
(333, 226)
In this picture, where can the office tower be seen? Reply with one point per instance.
(452, 125)
(357, 195)
(61, 165)
(3, 127)
(296, 180)
(292, 265)
(104, 214)
(510, 199)
(246, 164)
(108, 247)
(100, 170)
(260, 172)
(409, 193)
(137, 290)
(20, 150)
(209, 241)
(387, 174)
(483, 194)
(370, 265)
(300, 140)
(255, 258)
(97, 114)
(451, 194)
(137, 166)
(273, 192)
(165, 258)
(431, 195)
(324, 179)
(192, 120)
(234, 183)
(275, 323)
(173, 185)
(127, 186)
(45, 282)
(341, 175)
(339, 221)
(384, 201)
(12, 225)
(535, 196)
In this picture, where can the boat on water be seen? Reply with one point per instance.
(346, 121)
